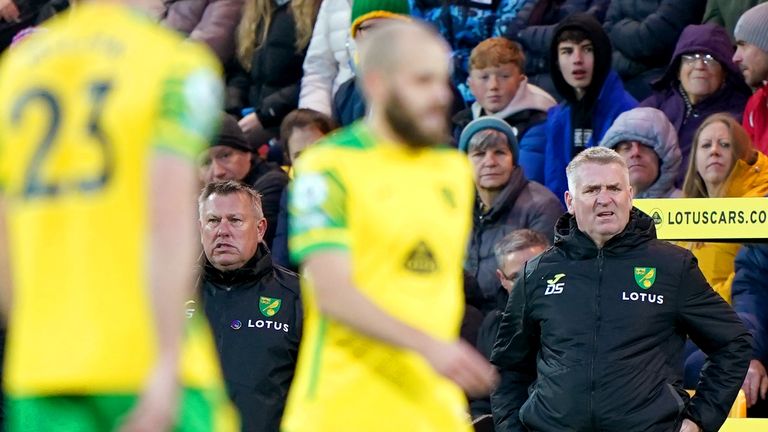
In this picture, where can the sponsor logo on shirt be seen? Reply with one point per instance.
(644, 278)
(269, 306)
(190, 307)
(421, 259)
(261, 324)
(554, 286)
(642, 297)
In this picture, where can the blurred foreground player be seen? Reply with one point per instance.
(101, 119)
(383, 289)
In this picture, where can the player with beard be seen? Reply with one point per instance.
(382, 287)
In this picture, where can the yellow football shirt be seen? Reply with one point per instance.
(84, 103)
(404, 216)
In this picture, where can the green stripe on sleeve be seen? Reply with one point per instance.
(189, 112)
(299, 255)
(314, 370)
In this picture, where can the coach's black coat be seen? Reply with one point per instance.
(258, 349)
(592, 340)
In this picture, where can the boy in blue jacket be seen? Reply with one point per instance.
(593, 96)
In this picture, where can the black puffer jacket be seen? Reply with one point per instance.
(256, 316)
(592, 339)
(486, 337)
(270, 181)
(272, 86)
(31, 13)
(521, 204)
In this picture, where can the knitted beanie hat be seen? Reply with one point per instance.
(752, 27)
(482, 123)
(231, 135)
(363, 10)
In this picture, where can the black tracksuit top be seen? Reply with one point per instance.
(592, 339)
(255, 313)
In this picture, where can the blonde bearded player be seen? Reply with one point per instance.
(101, 117)
(380, 217)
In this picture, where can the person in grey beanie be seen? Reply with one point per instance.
(647, 141)
(751, 57)
(506, 199)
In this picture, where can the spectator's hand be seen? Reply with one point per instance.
(249, 122)
(462, 364)
(756, 382)
(9, 11)
(689, 426)
(155, 411)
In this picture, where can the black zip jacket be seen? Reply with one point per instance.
(256, 317)
(592, 339)
(270, 181)
(486, 336)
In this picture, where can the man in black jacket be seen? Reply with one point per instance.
(592, 337)
(253, 306)
(511, 254)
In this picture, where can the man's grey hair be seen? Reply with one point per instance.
(593, 155)
(229, 187)
(516, 241)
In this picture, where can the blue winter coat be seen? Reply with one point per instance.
(556, 155)
(535, 35)
(348, 103)
(749, 297)
(531, 147)
(749, 292)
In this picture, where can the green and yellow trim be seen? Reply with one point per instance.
(314, 372)
(303, 250)
(375, 14)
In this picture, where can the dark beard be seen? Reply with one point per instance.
(407, 127)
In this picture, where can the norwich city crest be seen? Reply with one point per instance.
(269, 306)
(645, 276)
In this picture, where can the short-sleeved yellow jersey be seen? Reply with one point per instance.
(84, 103)
(404, 216)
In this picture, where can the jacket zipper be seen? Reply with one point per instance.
(478, 238)
(594, 340)
(223, 320)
